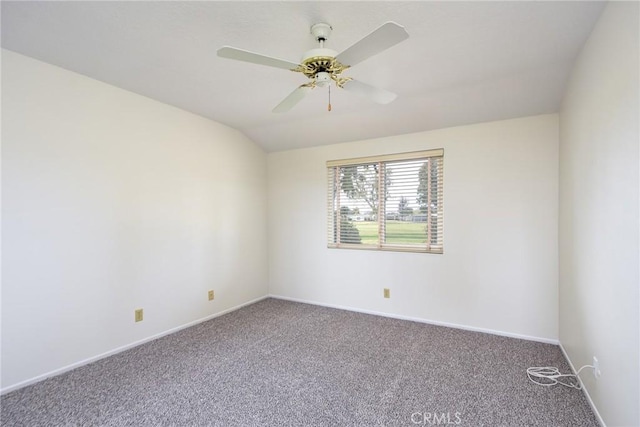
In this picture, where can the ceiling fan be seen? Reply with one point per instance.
(322, 65)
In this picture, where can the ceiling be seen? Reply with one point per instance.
(464, 62)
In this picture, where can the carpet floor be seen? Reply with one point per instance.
(279, 363)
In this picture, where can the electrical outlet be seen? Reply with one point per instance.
(210, 295)
(387, 293)
(139, 315)
(596, 368)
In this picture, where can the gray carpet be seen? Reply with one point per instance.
(278, 363)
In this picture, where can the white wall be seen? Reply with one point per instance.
(111, 202)
(599, 214)
(499, 268)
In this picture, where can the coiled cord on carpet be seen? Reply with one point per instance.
(550, 375)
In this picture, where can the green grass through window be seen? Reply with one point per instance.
(401, 232)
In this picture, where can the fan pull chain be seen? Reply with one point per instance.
(329, 106)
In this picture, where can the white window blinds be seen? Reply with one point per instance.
(389, 202)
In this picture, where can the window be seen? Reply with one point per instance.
(391, 202)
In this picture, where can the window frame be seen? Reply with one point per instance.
(333, 219)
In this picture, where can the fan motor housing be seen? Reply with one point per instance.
(318, 54)
(320, 60)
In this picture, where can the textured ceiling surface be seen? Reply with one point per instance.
(464, 62)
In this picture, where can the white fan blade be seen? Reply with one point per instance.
(294, 97)
(255, 58)
(375, 94)
(385, 36)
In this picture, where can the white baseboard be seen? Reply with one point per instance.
(421, 320)
(584, 389)
(123, 348)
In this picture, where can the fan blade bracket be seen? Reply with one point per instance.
(304, 69)
(340, 81)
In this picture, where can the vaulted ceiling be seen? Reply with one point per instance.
(464, 62)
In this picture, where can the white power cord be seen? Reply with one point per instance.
(549, 375)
